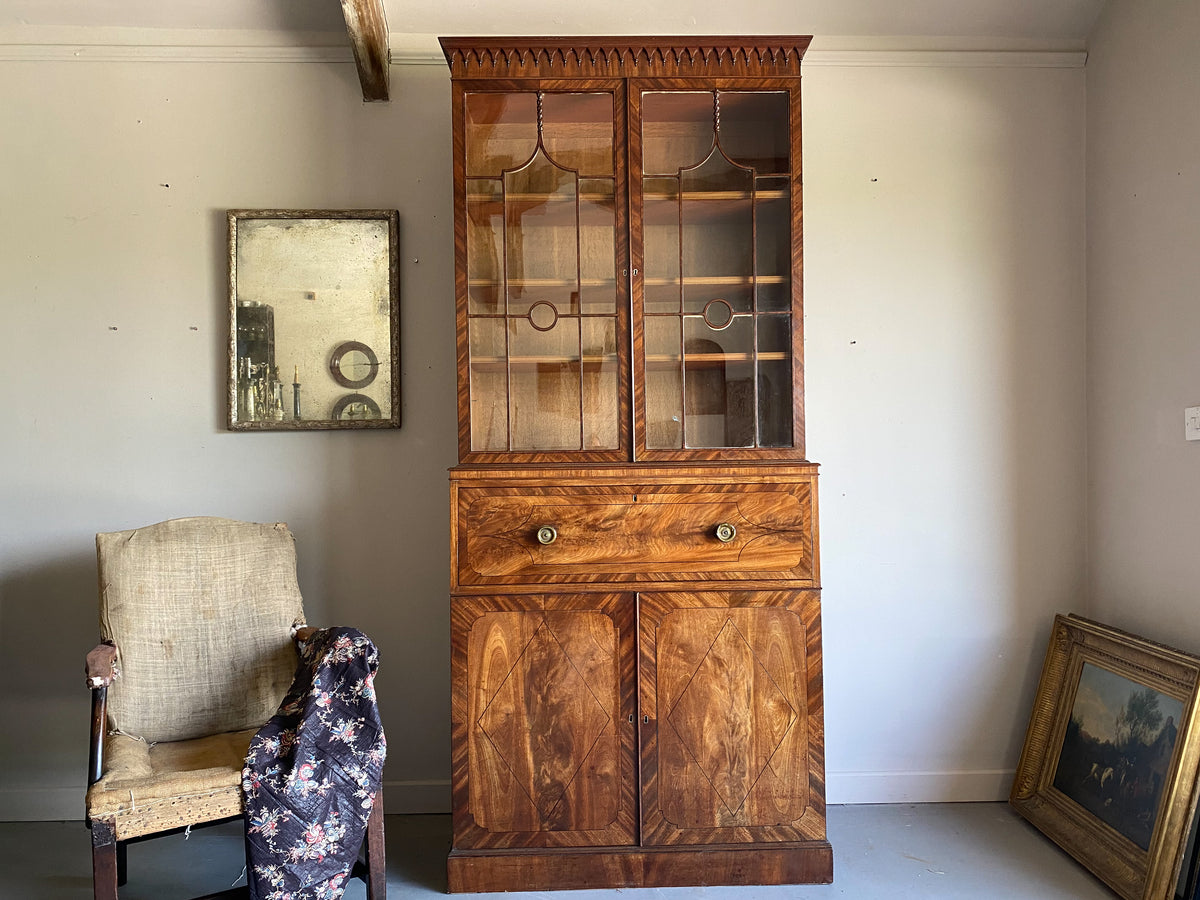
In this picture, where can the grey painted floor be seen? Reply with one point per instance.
(959, 850)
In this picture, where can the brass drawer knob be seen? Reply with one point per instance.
(546, 534)
(725, 532)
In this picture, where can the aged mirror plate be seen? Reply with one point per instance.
(313, 293)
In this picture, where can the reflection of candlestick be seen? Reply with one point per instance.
(246, 404)
(296, 395)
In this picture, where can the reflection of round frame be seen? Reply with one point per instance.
(348, 400)
(335, 365)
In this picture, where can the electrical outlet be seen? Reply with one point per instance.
(1191, 423)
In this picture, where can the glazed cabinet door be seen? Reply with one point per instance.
(543, 733)
(731, 703)
(542, 290)
(715, 235)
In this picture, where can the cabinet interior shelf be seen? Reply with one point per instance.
(542, 282)
(716, 280)
(535, 197)
(482, 197)
(688, 281)
(499, 363)
(716, 196)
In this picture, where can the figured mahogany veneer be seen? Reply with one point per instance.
(552, 726)
(643, 525)
(635, 612)
(731, 685)
(564, 870)
(543, 705)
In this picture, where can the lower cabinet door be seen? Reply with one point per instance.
(543, 706)
(731, 729)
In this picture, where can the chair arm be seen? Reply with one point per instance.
(303, 635)
(101, 669)
(101, 666)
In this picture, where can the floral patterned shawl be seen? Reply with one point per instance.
(312, 773)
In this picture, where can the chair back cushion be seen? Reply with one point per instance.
(202, 612)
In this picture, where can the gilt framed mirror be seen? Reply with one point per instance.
(314, 319)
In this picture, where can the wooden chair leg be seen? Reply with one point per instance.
(376, 858)
(104, 862)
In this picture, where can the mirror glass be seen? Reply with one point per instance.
(314, 311)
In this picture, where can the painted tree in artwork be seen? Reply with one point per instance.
(1138, 722)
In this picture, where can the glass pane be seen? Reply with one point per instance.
(501, 131)
(601, 412)
(543, 291)
(577, 131)
(597, 245)
(718, 235)
(775, 381)
(719, 383)
(542, 241)
(717, 268)
(773, 234)
(755, 130)
(489, 385)
(544, 404)
(664, 390)
(660, 245)
(677, 130)
(485, 229)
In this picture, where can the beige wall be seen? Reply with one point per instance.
(116, 180)
(945, 392)
(1144, 317)
(945, 363)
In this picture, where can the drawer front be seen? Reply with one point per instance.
(636, 533)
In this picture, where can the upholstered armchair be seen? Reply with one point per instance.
(199, 620)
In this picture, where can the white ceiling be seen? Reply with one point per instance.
(1068, 21)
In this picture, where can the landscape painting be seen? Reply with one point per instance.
(1117, 751)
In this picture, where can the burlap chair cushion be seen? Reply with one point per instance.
(149, 788)
(201, 611)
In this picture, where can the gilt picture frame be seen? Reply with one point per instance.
(314, 319)
(1109, 766)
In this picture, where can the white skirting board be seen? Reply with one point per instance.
(433, 796)
(42, 804)
(917, 787)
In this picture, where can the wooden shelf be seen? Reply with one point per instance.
(713, 196)
(484, 201)
(592, 197)
(716, 280)
(689, 281)
(499, 363)
(702, 196)
(717, 358)
(543, 282)
(589, 196)
(485, 364)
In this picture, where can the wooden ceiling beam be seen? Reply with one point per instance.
(368, 31)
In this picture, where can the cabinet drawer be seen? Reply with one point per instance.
(636, 532)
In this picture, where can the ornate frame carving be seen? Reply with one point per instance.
(1087, 792)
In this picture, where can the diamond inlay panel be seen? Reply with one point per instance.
(732, 717)
(543, 721)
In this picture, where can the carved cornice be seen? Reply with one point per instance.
(623, 57)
